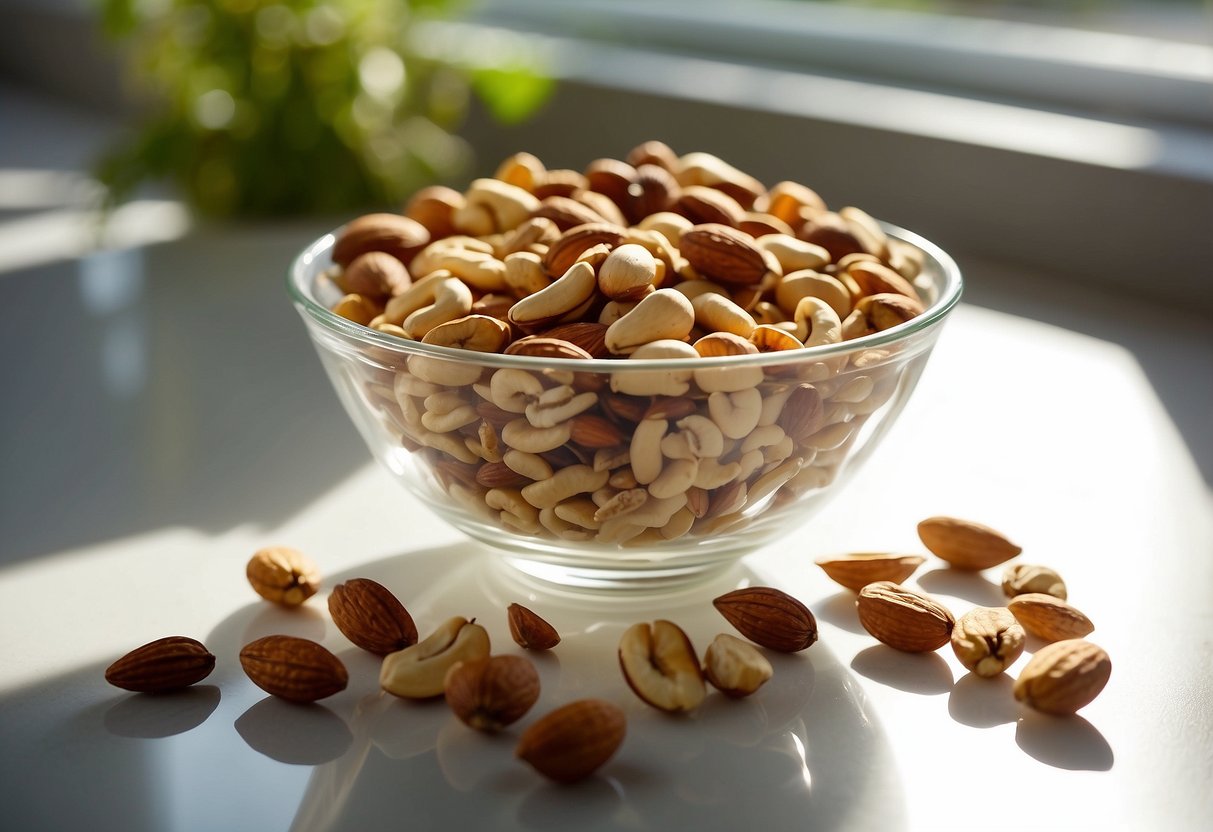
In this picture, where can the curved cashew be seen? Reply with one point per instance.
(478, 333)
(580, 512)
(516, 512)
(575, 288)
(716, 313)
(524, 274)
(661, 315)
(508, 205)
(521, 435)
(779, 451)
(656, 382)
(407, 385)
(762, 437)
(670, 225)
(817, 323)
(417, 296)
(803, 284)
(535, 231)
(451, 299)
(645, 449)
(567, 482)
(750, 462)
(736, 413)
(447, 444)
(792, 253)
(447, 411)
(675, 479)
(623, 479)
(698, 438)
(713, 474)
(773, 480)
(512, 390)
(831, 436)
(559, 404)
(482, 271)
(444, 372)
(560, 527)
(699, 287)
(679, 524)
(854, 390)
(531, 466)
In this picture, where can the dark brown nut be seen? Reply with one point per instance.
(560, 182)
(434, 207)
(593, 431)
(803, 414)
(567, 212)
(904, 619)
(500, 475)
(574, 741)
(529, 630)
(653, 153)
(375, 274)
(654, 191)
(163, 665)
(878, 279)
(588, 335)
(701, 204)
(370, 616)
(394, 234)
(769, 617)
(490, 693)
(573, 242)
(612, 178)
(721, 253)
(543, 347)
(832, 233)
(292, 668)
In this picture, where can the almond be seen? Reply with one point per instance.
(904, 619)
(283, 575)
(702, 205)
(769, 617)
(371, 617)
(719, 252)
(803, 414)
(588, 335)
(590, 431)
(572, 243)
(529, 630)
(540, 346)
(857, 570)
(1049, 618)
(661, 667)
(1063, 677)
(162, 665)
(574, 741)
(965, 544)
(491, 692)
(293, 668)
(394, 234)
(500, 475)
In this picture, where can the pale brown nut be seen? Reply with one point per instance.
(700, 168)
(370, 616)
(358, 309)
(653, 192)
(734, 667)
(832, 233)
(163, 665)
(653, 152)
(903, 619)
(564, 252)
(888, 310)
(701, 204)
(394, 234)
(661, 667)
(561, 182)
(1049, 618)
(295, 669)
(1064, 677)
(565, 212)
(529, 630)
(965, 544)
(418, 672)
(573, 741)
(587, 335)
(855, 571)
(491, 692)
(768, 616)
(988, 640)
(721, 253)
(478, 333)
(434, 207)
(1022, 578)
(540, 346)
(627, 273)
(803, 414)
(283, 575)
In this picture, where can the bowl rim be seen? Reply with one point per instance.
(298, 286)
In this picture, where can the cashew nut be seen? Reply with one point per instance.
(531, 466)
(565, 483)
(645, 449)
(564, 296)
(737, 413)
(559, 404)
(512, 390)
(521, 435)
(661, 315)
(656, 382)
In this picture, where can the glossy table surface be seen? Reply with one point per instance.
(162, 416)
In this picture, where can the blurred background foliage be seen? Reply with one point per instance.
(283, 107)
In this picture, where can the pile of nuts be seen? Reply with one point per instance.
(490, 692)
(655, 257)
(1065, 675)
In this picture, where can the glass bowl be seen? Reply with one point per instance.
(622, 473)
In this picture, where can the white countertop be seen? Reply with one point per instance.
(163, 416)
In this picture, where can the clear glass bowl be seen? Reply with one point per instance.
(723, 455)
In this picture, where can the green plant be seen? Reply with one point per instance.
(274, 107)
